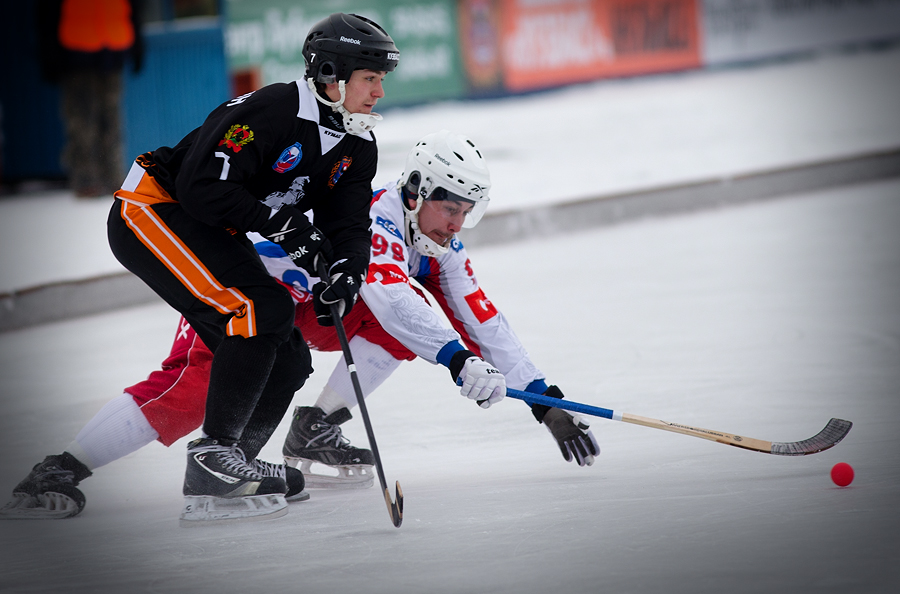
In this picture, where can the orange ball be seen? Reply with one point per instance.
(842, 474)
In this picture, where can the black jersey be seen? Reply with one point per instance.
(276, 146)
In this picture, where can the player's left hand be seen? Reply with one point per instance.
(571, 432)
(342, 288)
(572, 435)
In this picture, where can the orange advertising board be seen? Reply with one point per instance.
(545, 43)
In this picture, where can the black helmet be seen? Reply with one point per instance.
(341, 43)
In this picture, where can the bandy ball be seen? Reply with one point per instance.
(842, 474)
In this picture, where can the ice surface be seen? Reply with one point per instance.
(764, 320)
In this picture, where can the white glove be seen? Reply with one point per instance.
(482, 382)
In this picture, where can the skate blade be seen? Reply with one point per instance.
(348, 477)
(301, 496)
(200, 510)
(48, 506)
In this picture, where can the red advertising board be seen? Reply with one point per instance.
(547, 43)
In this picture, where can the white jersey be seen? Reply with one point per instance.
(404, 313)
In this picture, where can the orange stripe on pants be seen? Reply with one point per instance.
(188, 269)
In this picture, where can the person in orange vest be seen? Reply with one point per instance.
(84, 45)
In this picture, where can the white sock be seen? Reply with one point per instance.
(118, 429)
(373, 366)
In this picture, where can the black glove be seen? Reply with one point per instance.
(300, 240)
(572, 434)
(342, 288)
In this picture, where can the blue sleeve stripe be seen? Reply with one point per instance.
(447, 351)
(538, 386)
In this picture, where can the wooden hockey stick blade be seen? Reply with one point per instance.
(834, 431)
(395, 508)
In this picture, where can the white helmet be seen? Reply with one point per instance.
(444, 166)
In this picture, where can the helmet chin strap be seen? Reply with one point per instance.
(354, 123)
(416, 239)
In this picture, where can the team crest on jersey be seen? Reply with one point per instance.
(481, 306)
(389, 226)
(338, 170)
(289, 158)
(236, 137)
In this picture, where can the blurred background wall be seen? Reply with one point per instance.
(184, 76)
(202, 52)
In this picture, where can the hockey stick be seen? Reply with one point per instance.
(394, 509)
(834, 431)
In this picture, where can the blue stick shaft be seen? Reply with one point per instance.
(566, 404)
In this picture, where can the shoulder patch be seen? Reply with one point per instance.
(338, 170)
(236, 137)
(389, 226)
(289, 158)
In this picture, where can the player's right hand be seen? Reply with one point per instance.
(479, 380)
(482, 382)
(300, 239)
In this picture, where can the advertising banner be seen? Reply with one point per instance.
(546, 43)
(479, 39)
(264, 43)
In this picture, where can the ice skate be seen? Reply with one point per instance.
(49, 491)
(220, 486)
(290, 475)
(317, 439)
